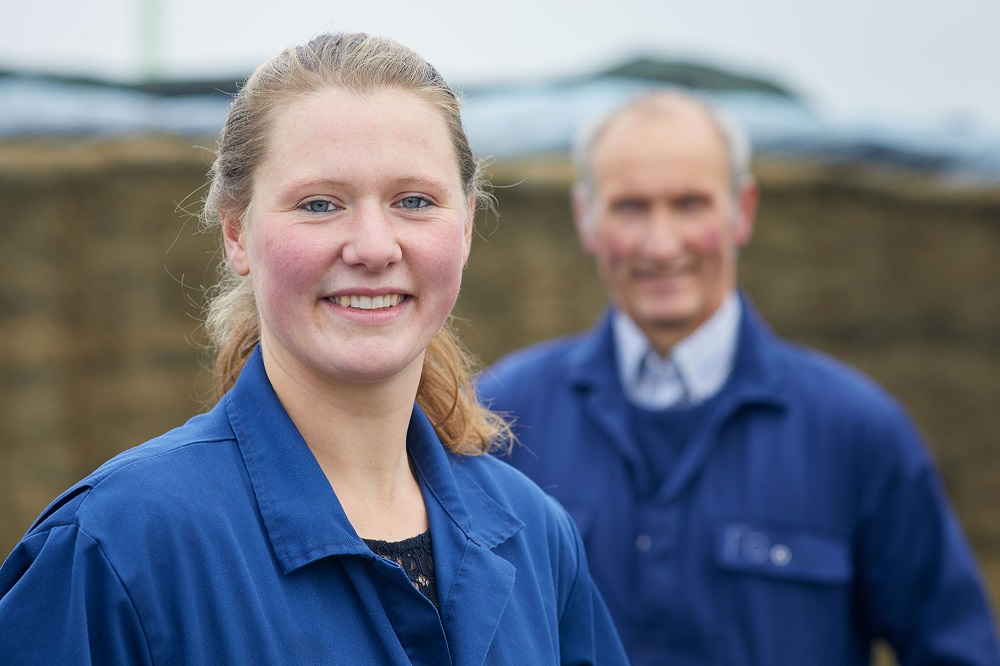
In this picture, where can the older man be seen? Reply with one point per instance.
(742, 500)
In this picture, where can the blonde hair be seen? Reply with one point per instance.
(360, 64)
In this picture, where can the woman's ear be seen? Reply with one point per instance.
(235, 243)
(469, 226)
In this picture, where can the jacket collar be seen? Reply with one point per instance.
(466, 504)
(756, 376)
(756, 379)
(300, 511)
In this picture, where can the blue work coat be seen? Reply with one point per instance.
(222, 542)
(803, 520)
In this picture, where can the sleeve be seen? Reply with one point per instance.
(587, 634)
(920, 586)
(61, 602)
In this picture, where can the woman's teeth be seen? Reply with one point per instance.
(368, 302)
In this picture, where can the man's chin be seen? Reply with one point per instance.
(668, 316)
(669, 323)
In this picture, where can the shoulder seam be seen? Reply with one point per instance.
(128, 593)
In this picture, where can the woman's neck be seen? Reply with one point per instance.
(358, 434)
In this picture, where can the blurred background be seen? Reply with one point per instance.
(877, 135)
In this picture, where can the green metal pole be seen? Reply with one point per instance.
(150, 27)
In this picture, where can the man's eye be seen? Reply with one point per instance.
(413, 202)
(318, 206)
(630, 206)
(692, 203)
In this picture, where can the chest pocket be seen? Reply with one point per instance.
(793, 554)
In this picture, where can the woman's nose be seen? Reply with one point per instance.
(373, 241)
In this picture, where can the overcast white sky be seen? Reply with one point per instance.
(922, 60)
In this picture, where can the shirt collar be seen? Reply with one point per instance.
(697, 366)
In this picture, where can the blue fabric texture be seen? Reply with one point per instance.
(221, 542)
(803, 521)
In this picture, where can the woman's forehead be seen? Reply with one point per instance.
(335, 131)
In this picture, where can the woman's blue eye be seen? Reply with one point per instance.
(318, 206)
(413, 202)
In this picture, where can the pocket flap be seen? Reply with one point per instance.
(789, 553)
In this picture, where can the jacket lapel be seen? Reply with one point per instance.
(301, 513)
(594, 373)
(754, 382)
(474, 583)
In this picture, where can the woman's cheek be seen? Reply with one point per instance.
(443, 256)
(285, 267)
(293, 257)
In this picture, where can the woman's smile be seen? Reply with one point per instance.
(358, 234)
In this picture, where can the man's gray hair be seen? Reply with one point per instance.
(735, 137)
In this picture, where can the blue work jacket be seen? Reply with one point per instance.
(803, 520)
(222, 542)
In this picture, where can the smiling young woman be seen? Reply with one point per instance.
(338, 504)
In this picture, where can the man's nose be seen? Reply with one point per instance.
(663, 238)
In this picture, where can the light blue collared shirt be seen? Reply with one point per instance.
(696, 368)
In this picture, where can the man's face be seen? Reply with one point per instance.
(662, 221)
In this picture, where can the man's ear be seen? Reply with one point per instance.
(235, 243)
(747, 212)
(582, 214)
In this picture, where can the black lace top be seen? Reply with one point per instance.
(416, 556)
